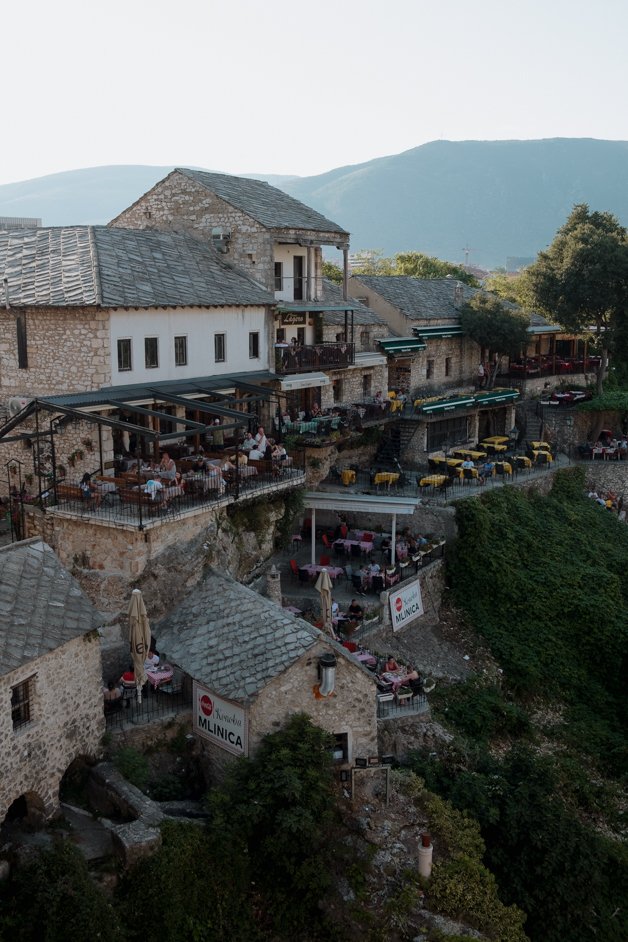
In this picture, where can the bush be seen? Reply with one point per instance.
(133, 765)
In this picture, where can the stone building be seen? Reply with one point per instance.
(278, 241)
(50, 679)
(253, 665)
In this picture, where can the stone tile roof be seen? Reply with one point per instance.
(417, 298)
(41, 605)
(425, 298)
(233, 640)
(105, 267)
(362, 315)
(271, 207)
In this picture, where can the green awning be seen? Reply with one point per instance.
(495, 396)
(402, 345)
(430, 333)
(447, 405)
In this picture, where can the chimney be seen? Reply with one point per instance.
(273, 585)
(458, 294)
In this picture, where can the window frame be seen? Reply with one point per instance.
(278, 276)
(220, 357)
(148, 365)
(254, 345)
(119, 342)
(22, 708)
(447, 366)
(430, 369)
(177, 361)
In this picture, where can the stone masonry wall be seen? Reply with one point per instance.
(352, 388)
(68, 351)
(350, 709)
(67, 722)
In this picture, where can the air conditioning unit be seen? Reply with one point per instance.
(17, 403)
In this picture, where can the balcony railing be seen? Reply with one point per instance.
(320, 356)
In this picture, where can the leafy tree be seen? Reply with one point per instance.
(416, 264)
(494, 327)
(53, 899)
(282, 806)
(333, 273)
(508, 287)
(581, 280)
(426, 266)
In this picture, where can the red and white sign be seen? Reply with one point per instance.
(405, 605)
(220, 721)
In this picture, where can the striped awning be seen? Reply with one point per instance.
(438, 333)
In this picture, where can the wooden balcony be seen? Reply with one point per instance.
(320, 356)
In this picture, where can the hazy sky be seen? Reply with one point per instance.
(290, 87)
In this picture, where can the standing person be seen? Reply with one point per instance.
(218, 436)
(260, 438)
(167, 468)
(89, 491)
(480, 375)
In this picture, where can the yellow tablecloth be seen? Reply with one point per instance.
(536, 452)
(386, 477)
(433, 479)
(450, 462)
(348, 477)
(461, 472)
(495, 440)
(469, 453)
(495, 448)
(524, 460)
(540, 446)
(396, 405)
(506, 466)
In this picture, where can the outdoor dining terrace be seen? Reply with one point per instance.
(127, 498)
(295, 358)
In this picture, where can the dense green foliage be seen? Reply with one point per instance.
(53, 899)
(565, 876)
(262, 864)
(333, 272)
(615, 400)
(544, 581)
(553, 608)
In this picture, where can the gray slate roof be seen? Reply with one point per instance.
(41, 605)
(425, 298)
(271, 207)
(105, 267)
(417, 298)
(362, 315)
(233, 640)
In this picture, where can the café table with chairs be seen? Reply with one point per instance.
(471, 453)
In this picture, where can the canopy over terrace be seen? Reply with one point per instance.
(230, 396)
(341, 503)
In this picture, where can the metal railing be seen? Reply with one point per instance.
(133, 506)
(400, 709)
(293, 358)
(164, 701)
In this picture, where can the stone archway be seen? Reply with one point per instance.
(28, 808)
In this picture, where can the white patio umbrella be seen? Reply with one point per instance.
(323, 587)
(139, 638)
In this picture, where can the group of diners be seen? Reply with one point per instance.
(119, 692)
(609, 500)
(608, 447)
(490, 458)
(394, 681)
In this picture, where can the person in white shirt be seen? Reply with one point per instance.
(255, 454)
(151, 661)
(262, 441)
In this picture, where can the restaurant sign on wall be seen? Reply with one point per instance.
(293, 319)
(405, 605)
(220, 721)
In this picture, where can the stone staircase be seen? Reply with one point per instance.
(534, 424)
(393, 444)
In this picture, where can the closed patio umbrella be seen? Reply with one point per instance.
(323, 587)
(139, 638)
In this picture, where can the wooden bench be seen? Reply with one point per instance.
(69, 492)
(129, 496)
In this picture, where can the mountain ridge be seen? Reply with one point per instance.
(490, 199)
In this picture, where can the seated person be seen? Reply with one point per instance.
(391, 664)
(375, 568)
(89, 491)
(256, 455)
(316, 410)
(154, 489)
(248, 443)
(167, 468)
(111, 693)
(335, 609)
(227, 466)
(279, 452)
(151, 661)
(355, 611)
(467, 463)
(128, 678)
(486, 471)
(242, 459)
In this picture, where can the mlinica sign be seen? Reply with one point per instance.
(405, 605)
(220, 721)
